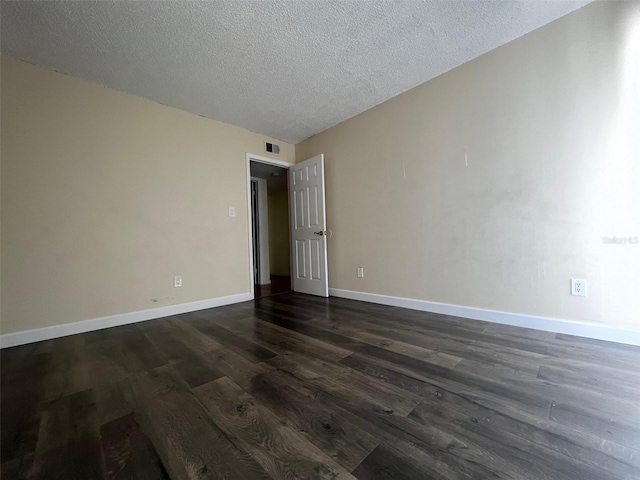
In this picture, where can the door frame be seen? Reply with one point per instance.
(262, 226)
(250, 157)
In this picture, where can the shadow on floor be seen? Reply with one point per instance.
(279, 284)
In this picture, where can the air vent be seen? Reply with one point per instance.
(272, 148)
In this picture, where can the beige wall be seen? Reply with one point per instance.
(107, 196)
(279, 256)
(493, 184)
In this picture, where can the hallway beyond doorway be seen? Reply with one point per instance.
(279, 284)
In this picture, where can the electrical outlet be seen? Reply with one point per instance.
(360, 272)
(578, 287)
(177, 281)
(232, 212)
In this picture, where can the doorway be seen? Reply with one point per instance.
(270, 235)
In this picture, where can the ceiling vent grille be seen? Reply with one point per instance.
(272, 148)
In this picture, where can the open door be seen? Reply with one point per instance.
(308, 227)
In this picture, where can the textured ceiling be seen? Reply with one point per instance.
(287, 69)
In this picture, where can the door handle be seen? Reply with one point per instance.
(321, 233)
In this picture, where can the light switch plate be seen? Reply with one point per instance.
(232, 211)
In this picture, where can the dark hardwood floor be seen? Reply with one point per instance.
(293, 386)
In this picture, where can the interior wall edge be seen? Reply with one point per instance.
(39, 334)
(549, 324)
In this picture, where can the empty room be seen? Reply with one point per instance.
(320, 239)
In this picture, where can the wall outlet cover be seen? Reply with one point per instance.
(177, 281)
(579, 287)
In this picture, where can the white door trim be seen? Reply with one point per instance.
(270, 161)
(264, 269)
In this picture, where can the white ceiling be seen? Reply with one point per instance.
(287, 69)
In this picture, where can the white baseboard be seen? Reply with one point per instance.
(39, 334)
(557, 325)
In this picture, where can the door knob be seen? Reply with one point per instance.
(321, 233)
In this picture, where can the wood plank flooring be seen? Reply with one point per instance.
(293, 386)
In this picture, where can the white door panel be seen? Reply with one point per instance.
(308, 227)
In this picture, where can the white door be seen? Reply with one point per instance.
(308, 227)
